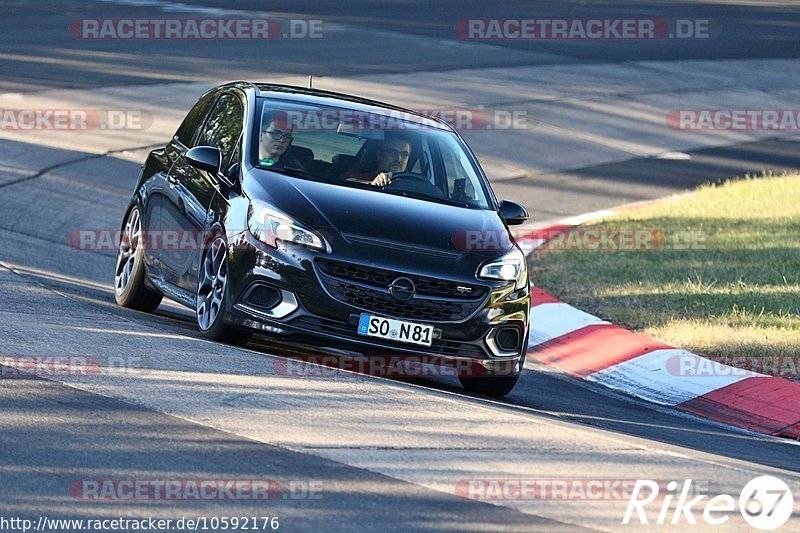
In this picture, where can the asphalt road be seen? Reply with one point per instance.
(386, 454)
(41, 54)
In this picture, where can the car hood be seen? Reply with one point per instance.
(362, 215)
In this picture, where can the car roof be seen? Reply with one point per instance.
(334, 99)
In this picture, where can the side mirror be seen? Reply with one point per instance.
(513, 213)
(205, 158)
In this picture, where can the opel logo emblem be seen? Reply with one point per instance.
(402, 289)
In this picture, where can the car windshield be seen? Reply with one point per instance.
(393, 153)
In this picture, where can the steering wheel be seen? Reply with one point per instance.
(413, 182)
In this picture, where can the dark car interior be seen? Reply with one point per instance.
(366, 161)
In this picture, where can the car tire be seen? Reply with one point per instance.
(494, 386)
(212, 296)
(129, 288)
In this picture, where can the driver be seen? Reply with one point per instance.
(392, 158)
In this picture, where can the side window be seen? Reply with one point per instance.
(224, 125)
(194, 119)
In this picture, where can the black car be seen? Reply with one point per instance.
(333, 220)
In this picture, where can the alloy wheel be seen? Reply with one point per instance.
(212, 285)
(129, 251)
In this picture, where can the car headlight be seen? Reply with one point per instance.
(510, 267)
(270, 226)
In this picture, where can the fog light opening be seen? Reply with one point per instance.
(268, 301)
(507, 339)
(504, 341)
(263, 297)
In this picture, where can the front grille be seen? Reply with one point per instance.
(381, 278)
(368, 289)
(438, 346)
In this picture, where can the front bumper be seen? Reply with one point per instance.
(295, 302)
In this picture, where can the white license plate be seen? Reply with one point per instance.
(395, 330)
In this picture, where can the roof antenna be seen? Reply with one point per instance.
(310, 79)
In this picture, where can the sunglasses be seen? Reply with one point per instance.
(279, 136)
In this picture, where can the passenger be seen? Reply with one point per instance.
(276, 137)
(392, 158)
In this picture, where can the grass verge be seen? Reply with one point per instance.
(716, 272)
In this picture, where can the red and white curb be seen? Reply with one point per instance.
(595, 350)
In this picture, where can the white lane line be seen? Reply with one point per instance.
(669, 377)
(552, 320)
